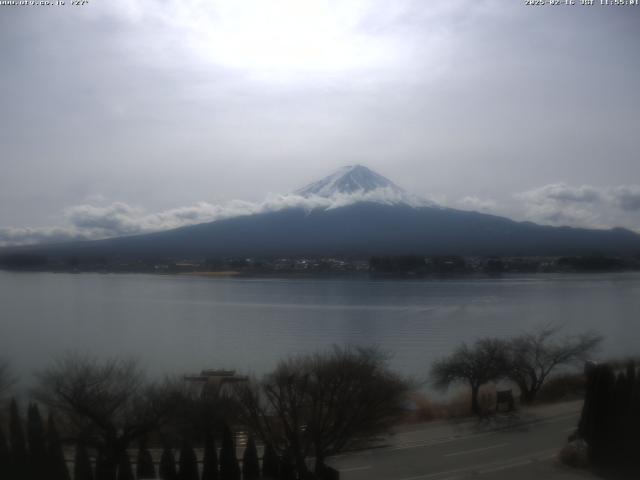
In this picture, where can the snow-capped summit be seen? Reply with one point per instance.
(349, 180)
(357, 183)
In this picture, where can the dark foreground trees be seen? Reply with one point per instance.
(270, 463)
(82, 469)
(145, 467)
(105, 403)
(210, 459)
(533, 356)
(56, 464)
(38, 455)
(527, 360)
(484, 361)
(188, 462)
(320, 405)
(167, 468)
(37, 441)
(610, 419)
(5, 455)
(229, 468)
(19, 459)
(250, 462)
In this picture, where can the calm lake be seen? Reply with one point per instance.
(181, 324)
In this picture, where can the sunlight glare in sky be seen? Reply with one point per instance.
(295, 35)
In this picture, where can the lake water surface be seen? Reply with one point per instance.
(184, 323)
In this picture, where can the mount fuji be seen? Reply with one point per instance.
(355, 212)
(357, 183)
(349, 180)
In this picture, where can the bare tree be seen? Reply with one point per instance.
(198, 412)
(106, 404)
(533, 356)
(322, 404)
(484, 362)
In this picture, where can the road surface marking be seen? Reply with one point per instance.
(355, 469)
(465, 452)
(519, 463)
(532, 421)
(441, 440)
(438, 441)
(508, 463)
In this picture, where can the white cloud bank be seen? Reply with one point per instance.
(553, 204)
(90, 221)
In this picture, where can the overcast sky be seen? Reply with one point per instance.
(124, 116)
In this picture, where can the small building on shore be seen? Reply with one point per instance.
(216, 381)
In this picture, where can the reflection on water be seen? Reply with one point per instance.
(181, 323)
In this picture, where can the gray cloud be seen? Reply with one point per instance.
(563, 193)
(627, 197)
(473, 203)
(585, 205)
(32, 235)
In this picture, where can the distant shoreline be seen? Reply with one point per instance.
(393, 266)
(225, 273)
(329, 275)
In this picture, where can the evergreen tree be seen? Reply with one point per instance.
(250, 462)
(188, 463)
(82, 464)
(167, 469)
(37, 443)
(634, 445)
(632, 424)
(145, 468)
(596, 412)
(19, 462)
(270, 463)
(229, 468)
(287, 470)
(611, 417)
(125, 472)
(619, 414)
(631, 373)
(57, 466)
(104, 469)
(99, 468)
(210, 460)
(630, 381)
(4, 456)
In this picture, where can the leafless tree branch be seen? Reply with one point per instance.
(322, 404)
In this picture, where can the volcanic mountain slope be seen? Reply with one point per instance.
(380, 219)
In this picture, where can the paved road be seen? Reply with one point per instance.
(524, 447)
